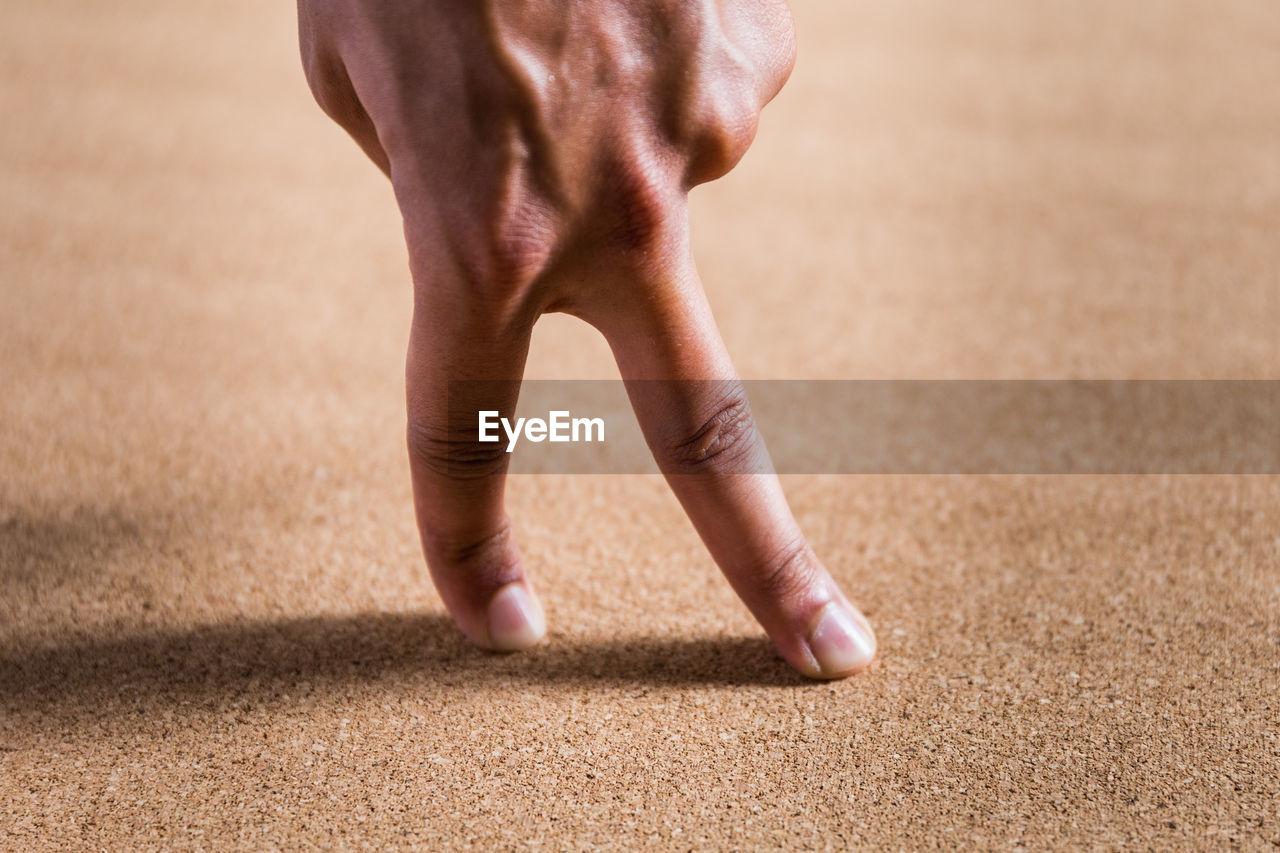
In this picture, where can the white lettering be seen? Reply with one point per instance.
(560, 426)
(513, 435)
(587, 424)
(487, 422)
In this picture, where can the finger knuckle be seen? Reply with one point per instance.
(520, 240)
(785, 55)
(330, 85)
(502, 238)
(725, 442)
(727, 125)
(787, 576)
(639, 202)
(489, 561)
(454, 453)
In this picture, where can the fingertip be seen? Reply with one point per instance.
(841, 642)
(515, 619)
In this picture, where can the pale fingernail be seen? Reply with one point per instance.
(516, 621)
(840, 645)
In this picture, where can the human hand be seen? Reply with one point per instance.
(541, 153)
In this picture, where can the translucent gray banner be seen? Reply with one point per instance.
(874, 427)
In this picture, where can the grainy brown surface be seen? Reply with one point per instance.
(215, 628)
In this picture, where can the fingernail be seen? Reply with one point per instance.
(515, 620)
(840, 645)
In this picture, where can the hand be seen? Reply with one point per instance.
(541, 153)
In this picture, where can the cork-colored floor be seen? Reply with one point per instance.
(216, 631)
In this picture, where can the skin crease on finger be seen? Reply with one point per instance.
(541, 153)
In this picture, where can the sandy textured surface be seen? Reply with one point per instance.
(215, 628)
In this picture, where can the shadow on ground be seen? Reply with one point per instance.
(130, 671)
(263, 660)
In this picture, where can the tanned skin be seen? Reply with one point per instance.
(541, 153)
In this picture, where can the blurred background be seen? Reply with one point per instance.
(215, 626)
